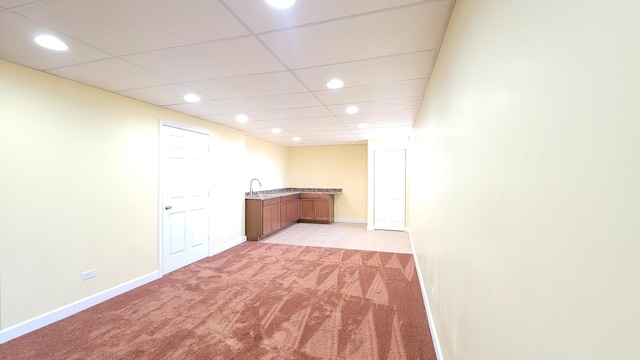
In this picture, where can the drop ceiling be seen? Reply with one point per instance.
(243, 56)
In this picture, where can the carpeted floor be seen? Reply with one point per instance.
(255, 301)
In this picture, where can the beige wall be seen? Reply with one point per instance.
(333, 167)
(525, 173)
(79, 190)
(267, 162)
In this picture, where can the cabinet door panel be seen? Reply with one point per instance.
(307, 209)
(275, 220)
(322, 210)
(270, 219)
(267, 214)
(292, 211)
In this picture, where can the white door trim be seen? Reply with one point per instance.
(162, 123)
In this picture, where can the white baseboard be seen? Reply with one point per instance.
(425, 299)
(227, 246)
(27, 326)
(355, 221)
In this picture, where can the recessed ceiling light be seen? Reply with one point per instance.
(281, 4)
(51, 42)
(363, 126)
(335, 84)
(242, 118)
(192, 98)
(276, 130)
(296, 138)
(352, 109)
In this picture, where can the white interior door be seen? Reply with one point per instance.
(389, 189)
(185, 197)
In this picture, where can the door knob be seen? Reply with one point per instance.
(168, 207)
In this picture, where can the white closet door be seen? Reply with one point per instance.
(185, 197)
(389, 190)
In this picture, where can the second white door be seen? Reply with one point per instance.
(185, 197)
(389, 190)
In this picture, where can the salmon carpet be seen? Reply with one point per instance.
(254, 301)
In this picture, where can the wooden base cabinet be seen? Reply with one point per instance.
(316, 208)
(262, 218)
(268, 216)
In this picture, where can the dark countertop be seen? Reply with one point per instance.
(270, 194)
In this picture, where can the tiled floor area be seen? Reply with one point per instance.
(343, 235)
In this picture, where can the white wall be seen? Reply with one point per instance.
(525, 173)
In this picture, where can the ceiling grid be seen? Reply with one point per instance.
(245, 57)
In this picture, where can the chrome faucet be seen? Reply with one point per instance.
(251, 185)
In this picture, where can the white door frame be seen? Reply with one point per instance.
(161, 124)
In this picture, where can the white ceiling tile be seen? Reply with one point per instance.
(335, 140)
(261, 17)
(101, 74)
(307, 121)
(322, 133)
(266, 131)
(251, 125)
(310, 112)
(126, 27)
(274, 102)
(386, 69)
(171, 94)
(409, 114)
(380, 105)
(380, 124)
(216, 59)
(250, 85)
(415, 28)
(227, 118)
(317, 129)
(204, 108)
(357, 94)
(17, 45)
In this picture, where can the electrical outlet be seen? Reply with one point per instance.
(88, 274)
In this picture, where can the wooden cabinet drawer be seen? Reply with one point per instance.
(289, 198)
(315, 196)
(270, 202)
